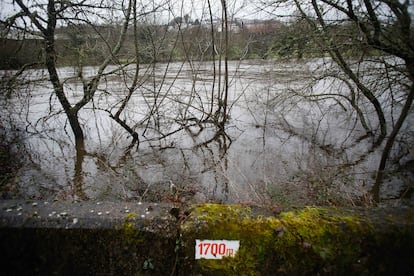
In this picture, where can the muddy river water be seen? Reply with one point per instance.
(276, 147)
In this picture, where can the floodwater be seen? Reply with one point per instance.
(278, 146)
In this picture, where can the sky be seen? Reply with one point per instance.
(197, 9)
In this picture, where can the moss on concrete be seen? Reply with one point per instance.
(131, 234)
(307, 241)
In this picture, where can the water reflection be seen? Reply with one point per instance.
(172, 130)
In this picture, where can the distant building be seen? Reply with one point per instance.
(261, 26)
(235, 26)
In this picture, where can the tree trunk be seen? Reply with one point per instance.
(50, 58)
(375, 191)
(71, 112)
(78, 172)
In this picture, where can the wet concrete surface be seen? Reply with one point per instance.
(89, 215)
(138, 238)
(87, 238)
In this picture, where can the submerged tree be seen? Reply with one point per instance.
(118, 37)
(372, 44)
(43, 18)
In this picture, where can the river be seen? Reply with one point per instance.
(278, 146)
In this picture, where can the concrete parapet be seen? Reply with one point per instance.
(86, 238)
(107, 238)
(307, 241)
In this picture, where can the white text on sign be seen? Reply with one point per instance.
(216, 249)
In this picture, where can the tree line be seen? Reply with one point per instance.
(86, 44)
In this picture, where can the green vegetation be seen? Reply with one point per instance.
(80, 45)
(131, 234)
(307, 241)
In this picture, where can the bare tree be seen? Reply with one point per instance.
(135, 79)
(42, 18)
(379, 73)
